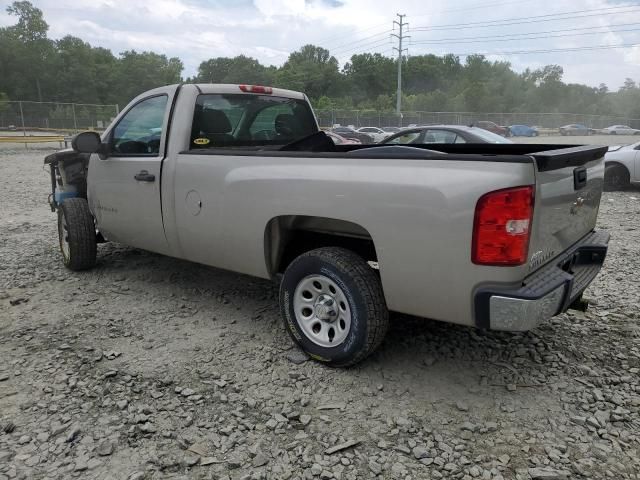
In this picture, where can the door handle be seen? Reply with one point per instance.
(144, 176)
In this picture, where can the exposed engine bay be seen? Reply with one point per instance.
(68, 176)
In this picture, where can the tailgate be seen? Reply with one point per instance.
(569, 184)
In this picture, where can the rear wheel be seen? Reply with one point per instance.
(616, 177)
(77, 234)
(333, 306)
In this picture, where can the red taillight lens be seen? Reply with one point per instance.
(256, 89)
(502, 227)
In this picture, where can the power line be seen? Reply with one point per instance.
(523, 20)
(553, 50)
(333, 39)
(491, 37)
(360, 47)
(432, 42)
(350, 44)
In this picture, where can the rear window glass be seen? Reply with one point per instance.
(247, 120)
(489, 137)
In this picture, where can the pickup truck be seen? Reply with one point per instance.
(240, 177)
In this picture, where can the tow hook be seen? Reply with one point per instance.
(579, 304)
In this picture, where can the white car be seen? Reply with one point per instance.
(620, 130)
(622, 166)
(374, 132)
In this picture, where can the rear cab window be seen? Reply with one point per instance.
(249, 121)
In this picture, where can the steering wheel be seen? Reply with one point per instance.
(132, 146)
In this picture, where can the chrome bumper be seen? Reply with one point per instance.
(547, 292)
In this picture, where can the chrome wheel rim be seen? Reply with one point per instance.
(63, 232)
(322, 311)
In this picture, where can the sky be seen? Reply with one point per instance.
(195, 30)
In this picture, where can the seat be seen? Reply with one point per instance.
(213, 125)
(286, 126)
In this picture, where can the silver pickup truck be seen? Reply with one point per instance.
(240, 177)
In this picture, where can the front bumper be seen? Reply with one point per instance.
(547, 292)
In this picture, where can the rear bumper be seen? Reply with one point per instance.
(545, 293)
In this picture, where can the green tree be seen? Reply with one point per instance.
(25, 54)
(240, 69)
(369, 75)
(138, 72)
(311, 70)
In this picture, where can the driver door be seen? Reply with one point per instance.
(124, 189)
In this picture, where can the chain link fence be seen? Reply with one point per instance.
(31, 118)
(373, 118)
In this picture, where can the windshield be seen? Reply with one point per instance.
(488, 136)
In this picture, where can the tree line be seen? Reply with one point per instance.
(35, 67)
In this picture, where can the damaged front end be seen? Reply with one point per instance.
(68, 176)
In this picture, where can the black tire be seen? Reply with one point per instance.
(369, 317)
(616, 177)
(77, 230)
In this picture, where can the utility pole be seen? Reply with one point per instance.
(401, 24)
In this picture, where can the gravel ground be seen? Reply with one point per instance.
(150, 367)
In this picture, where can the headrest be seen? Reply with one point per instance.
(214, 121)
(286, 124)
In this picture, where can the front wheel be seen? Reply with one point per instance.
(616, 177)
(77, 234)
(333, 306)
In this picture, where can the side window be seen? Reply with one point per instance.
(459, 139)
(406, 138)
(140, 130)
(439, 136)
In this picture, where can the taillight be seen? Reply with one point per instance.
(502, 227)
(256, 89)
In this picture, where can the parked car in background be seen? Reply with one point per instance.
(575, 129)
(622, 167)
(523, 131)
(348, 132)
(620, 130)
(493, 127)
(445, 134)
(340, 140)
(374, 132)
(391, 129)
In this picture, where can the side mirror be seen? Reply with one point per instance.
(87, 142)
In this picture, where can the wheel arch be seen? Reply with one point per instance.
(617, 163)
(287, 236)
